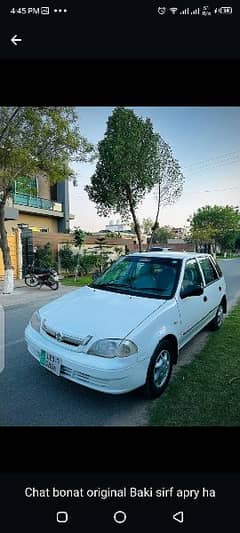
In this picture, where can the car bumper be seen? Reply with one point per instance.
(113, 376)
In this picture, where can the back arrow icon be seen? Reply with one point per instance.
(179, 517)
(15, 40)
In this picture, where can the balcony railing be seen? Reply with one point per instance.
(40, 203)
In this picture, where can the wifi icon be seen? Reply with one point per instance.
(173, 10)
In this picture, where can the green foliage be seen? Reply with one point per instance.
(127, 167)
(39, 140)
(170, 182)
(171, 179)
(161, 235)
(205, 392)
(87, 263)
(44, 256)
(79, 237)
(84, 280)
(237, 241)
(68, 260)
(77, 263)
(147, 225)
(215, 225)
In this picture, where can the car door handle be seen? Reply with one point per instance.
(220, 288)
(205, 298)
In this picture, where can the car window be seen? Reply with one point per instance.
(149, 276)
(218, 269)
(209, 271)
(192, 275)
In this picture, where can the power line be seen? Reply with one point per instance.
(213, 190)
(206, 161)
(212, 166)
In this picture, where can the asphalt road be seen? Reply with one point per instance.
(32, 396)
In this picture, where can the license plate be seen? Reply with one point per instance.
(51, 362)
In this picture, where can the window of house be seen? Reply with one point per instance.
(40, 230)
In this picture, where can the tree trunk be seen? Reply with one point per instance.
(8, 285)
(155, 225)
(135, 220)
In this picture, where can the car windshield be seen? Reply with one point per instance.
(152, 277)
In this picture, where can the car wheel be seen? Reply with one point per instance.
(217, 322)
(159, 370)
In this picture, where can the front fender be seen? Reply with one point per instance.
(163, 323)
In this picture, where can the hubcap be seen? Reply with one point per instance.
(161, 368)
(220, 316)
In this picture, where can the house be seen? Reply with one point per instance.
(35, 209)
(40, 207)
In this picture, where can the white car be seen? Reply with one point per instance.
(125, 330)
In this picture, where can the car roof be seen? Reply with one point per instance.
(171, 255)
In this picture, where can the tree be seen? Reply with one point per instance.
(170, 181)
(67, 259)
(127, 167)
(88, 263)
(215, 225)
(44, 256)
(79, 237)
(161, 235)
(147, 225)
(35, 141)
(104, 255)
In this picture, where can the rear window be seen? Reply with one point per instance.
(209, 271)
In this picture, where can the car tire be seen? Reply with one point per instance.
(217, 322)
(159, 370)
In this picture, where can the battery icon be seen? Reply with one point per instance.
(225, 10)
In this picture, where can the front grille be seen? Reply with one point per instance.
(64, 338)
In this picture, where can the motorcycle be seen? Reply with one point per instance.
(37, 277)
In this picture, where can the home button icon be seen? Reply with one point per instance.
(62, 517)
(120, 517)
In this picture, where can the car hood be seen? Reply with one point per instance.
(99, 313)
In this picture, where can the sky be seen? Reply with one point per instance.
(206, 142)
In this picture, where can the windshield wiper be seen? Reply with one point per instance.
(111, 284)
(147, 289)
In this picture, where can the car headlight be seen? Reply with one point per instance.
(36, 321)
(113, 348)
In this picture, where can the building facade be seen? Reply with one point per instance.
(40, 207)
(35, 208)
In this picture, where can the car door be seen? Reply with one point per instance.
(213, 287)
(192, 309)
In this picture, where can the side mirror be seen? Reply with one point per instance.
(195, 290)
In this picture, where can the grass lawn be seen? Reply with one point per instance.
(84, 280)
(207, 391)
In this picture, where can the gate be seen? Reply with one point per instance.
(12, 243)
(27, 249)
